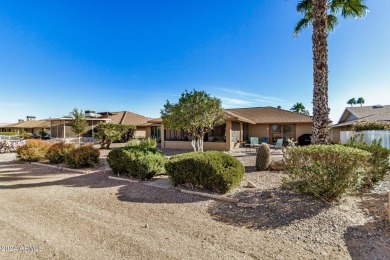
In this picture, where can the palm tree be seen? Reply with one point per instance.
(299, 108)
(360, 101)
(351, 102)
(322, 14)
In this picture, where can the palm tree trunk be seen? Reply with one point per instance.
(320, 65)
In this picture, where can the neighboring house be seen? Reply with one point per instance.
(61, 127)
(3, 128)
(31, 125)
(241, 124)
(352, 115)
(128, 118)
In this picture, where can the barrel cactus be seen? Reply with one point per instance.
(263, 157)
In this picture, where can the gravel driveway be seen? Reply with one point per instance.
(46, 214)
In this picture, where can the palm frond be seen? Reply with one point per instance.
(354, 8)
(302, 24)
(304, 6)
(332, 22)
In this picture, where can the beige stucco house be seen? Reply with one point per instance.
(128, 118)
(30, 125)
(266, 123)
(352, 115)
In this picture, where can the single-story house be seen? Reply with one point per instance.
(128, 118)
(267, 123)
(352, 115)
(31, 125)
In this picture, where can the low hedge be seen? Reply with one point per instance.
(83, 156)
(327, 171)
(212, 170)
(58, 151)
(379, 159)
(143, 163)
(34, 150)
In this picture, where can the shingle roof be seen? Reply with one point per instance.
(266, 115)
(30, 124)
(127, 118)
(365, 111)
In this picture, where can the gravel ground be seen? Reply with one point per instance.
(89, 216)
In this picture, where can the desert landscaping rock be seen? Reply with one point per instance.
(91, 216)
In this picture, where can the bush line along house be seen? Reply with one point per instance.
(241, 124)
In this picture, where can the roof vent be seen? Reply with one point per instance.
(378, 106)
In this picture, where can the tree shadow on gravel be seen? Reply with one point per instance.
(128, 191)
(277, 208)
(147, 194)
(371, 240)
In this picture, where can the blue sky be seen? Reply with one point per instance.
(134, 55)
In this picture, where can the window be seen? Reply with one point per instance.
(281, 132)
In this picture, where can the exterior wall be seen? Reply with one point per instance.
(302, 129)
(148, 131)
(140, 133)
(258, 130)
(186, 145)
(335, 133)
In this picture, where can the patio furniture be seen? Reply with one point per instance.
(253, 143)
(278, 145)
(264, 140)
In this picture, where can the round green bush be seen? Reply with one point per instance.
(58, 151)
(143, 163)
(212, 170)
(83, 156)
(326, 171)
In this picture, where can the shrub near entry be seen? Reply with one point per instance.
(143, 163)
(58, 151)
(327, 171)
(83, 156)
(212, 170)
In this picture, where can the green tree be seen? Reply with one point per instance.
(107, 133)
(196, 112)
(299, 108)
(322, 14)
(78, 124)
(351, 102)
(360, 101)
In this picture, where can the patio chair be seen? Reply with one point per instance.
(264, 140)
(253, 143)
(278, 145)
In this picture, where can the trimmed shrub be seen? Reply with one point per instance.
(212, 170)
(143, 163)
(326, 171)
(367, 126)
(83, 156)
(9, 133)
(148, 143)
(33, 151)
(58, 151)
(379, 159)
(133, 142)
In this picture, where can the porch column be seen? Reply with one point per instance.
(241, 132)
(162, 136)
(228, 135)
(64, 131)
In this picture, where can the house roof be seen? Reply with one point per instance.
(364, 114)
(267, 115)
(126, 118)
(30, 124)
(4, 124)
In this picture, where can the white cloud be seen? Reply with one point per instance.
(264, 99)
(234, 101)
